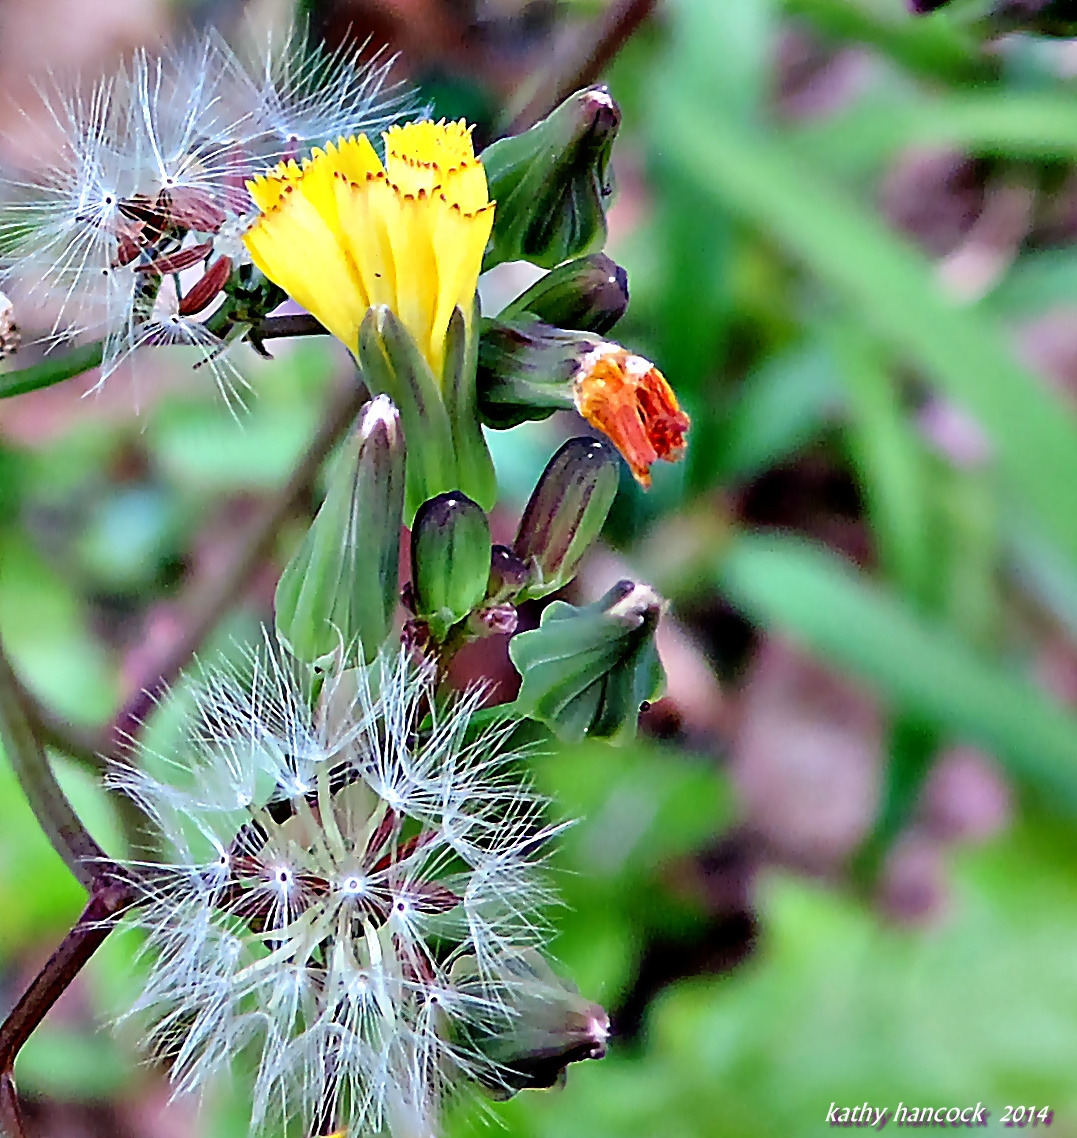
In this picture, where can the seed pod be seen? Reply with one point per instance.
(565, 513)
(553, 1025)
(341, 587)
(450, 560)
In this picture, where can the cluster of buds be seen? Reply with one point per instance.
(464, 587)
(337, 597)
(547, 350)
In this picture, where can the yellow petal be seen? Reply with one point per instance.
(355, 158)
(411, 236)
(441, 144)
(266, 189)
(364, 211)
(466, 186)
(459, 243)
(293, 246)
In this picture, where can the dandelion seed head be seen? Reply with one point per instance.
(318, 915)
(152, 163)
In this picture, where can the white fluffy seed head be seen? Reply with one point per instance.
(150, 168)
(353, 899)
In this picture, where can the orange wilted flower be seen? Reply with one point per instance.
(628, 399)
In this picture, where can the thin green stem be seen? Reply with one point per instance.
(51, 370)
(56, 368)
(587, 57)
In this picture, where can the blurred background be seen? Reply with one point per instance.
(840, 862)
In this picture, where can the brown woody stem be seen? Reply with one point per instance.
(108, 897)
(586, 62)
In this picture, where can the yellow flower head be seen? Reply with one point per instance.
(342, 233)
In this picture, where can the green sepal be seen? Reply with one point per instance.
(526, 369)
(587, 671)
(450, 561)
(392, 364)
(340, 589)
(566, 513)
(474, 465)
(552, 182)
(589, 294)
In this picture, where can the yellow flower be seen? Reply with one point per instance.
(342, 233)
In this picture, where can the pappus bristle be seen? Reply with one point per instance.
(354, 892)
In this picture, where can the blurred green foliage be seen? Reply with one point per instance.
(793, 320)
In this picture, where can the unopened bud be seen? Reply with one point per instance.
(552, 182)
(450, 560)
(341, 587)
(528, 369)
(552, 1025)
(587, 671)
(9, 331)
(565, 513)
(589, 294)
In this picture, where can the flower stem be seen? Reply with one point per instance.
(51, 370)
(589, 57)
(55, 369)
(108, 896)
(71, 840)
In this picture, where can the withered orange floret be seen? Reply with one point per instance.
(628, 399)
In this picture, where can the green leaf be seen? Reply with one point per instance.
(1004, 122)
(893, 290)
(782, 405)
(891, 459)
(822, 602)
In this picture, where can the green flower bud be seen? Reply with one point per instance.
(587, 671)
(447, 451)
(341, 587)
(565, 513)
(450, 561)
(589, 294)
(551, 183)
(553, 1025)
